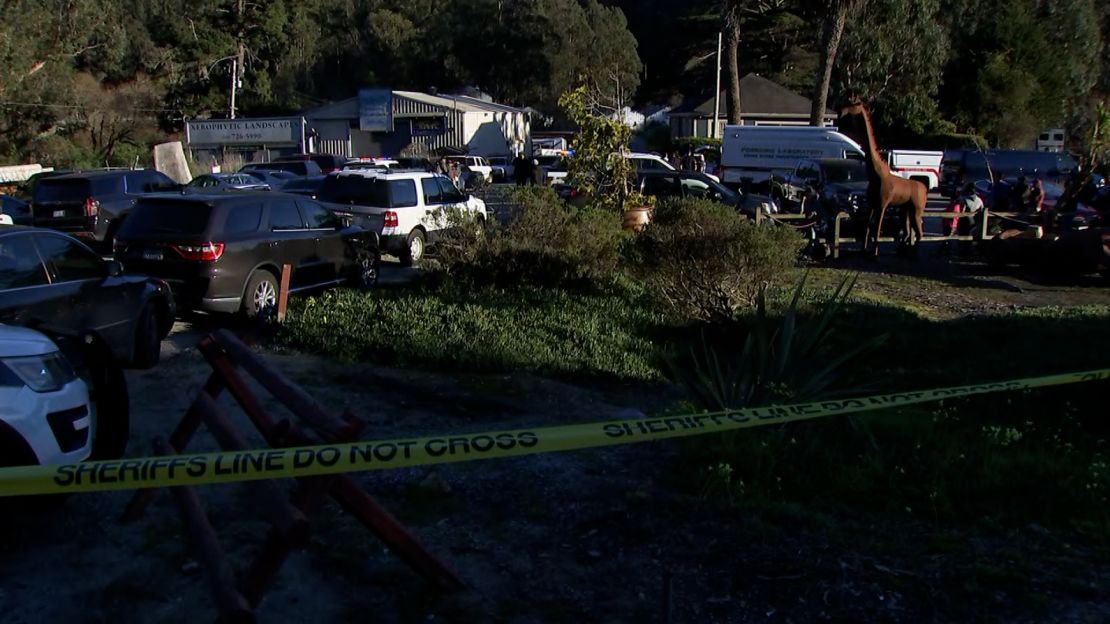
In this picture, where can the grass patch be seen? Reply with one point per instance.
(1009, 458)
(547, 331)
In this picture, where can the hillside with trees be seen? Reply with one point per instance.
(95, 81)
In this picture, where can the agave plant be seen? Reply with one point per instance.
(779, 361)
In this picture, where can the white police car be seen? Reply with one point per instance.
(45, 412)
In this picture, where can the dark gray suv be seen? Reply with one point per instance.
(92, 205)
(225, 253)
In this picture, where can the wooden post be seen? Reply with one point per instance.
(179, 439)
(206, 548)
(283, 292)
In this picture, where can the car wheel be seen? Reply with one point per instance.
(364, 272)
(414, 252)
(108, 395)
(261, 296)
(148, 338)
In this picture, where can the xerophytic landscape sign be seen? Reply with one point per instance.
(275, 131)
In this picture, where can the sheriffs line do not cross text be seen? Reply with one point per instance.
(280, 460)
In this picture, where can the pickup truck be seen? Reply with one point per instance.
(917, 165)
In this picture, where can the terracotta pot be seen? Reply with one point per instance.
(636, 218)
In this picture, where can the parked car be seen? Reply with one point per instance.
(93, 205)
(372, 163)
(225, 252)
(296, 167)
(835, 184)
(17, 209)
(406, 206)
(222, 182)
(58, 285)
(554, 168)
(275, 178)
(970, 165)
(502, 167)
(308, 187)
(415, 163)
(46, 414)
(326, 162)
(27, 188)
(664, 184)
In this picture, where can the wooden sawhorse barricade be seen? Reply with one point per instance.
(289, 514)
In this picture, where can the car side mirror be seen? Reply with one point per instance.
(113, 268)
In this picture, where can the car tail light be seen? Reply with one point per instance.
(391, 219)
(92, 207)
(206, 252)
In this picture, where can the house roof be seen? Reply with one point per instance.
(348, 108)
(759, 97)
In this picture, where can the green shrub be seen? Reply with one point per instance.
(547, 331)
(702, 260)
(547, 243)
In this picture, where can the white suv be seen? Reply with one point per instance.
(406, 208)
(46, 416)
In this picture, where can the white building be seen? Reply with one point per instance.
(395, 123)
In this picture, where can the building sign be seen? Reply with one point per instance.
(375, 110)
(284, 131)
(428, 126)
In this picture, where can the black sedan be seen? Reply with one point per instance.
(663, 184)
(54, 283)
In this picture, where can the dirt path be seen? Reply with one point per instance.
(940, 290)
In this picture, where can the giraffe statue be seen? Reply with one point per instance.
(884, 189)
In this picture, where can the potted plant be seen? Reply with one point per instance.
(638, 209)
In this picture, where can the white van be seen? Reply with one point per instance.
(752, 154)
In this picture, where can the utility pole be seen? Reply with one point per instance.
(237, 64)
(234, 81)
(717, 92)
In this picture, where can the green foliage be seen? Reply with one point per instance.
(523, 329)
(784, 360)
(547, 243)
(1021, 66)
(966, 459)
(703, 260)
(597, 166)
(892, 56)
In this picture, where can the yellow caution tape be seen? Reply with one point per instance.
(229, 467)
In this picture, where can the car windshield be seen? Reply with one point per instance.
(354, 190)
(167, 217)
(849, 171)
